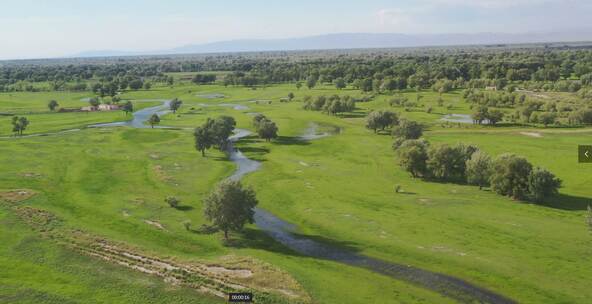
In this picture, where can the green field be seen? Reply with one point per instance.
(110, 183)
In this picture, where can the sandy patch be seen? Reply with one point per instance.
(155, 224)
(31, 175)
(237, 273)
(532, 134)
(17, 196)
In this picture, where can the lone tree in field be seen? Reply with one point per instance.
(128, 107)
(230, 206)
(19, 125)
(214, 132)
(267, 130)
(154, 120)
(408, 129)
(203, 138)
(291, 96)
(52, 105)
(175, 105)
(542, 184)
(478, 169)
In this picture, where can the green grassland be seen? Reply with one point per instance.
(340, 189)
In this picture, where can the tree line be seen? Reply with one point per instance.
(508, 174)
(379, 71)
(331, 105)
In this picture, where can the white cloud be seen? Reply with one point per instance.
(490, 4)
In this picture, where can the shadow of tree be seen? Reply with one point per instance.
(184, 208)
(314, 246)
(352, 115)
(290, 140)
(568, 202)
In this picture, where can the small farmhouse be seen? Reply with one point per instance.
(108, 107)
(101, 107)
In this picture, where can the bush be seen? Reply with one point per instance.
(542, 184)
(413, 156)
(449, 162)
(510, 174)
(408, 129)
(478, 169)
(172, 201)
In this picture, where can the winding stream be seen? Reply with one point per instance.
(287, 234)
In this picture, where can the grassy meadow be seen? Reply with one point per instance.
(111, 183)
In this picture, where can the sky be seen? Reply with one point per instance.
(45, 29)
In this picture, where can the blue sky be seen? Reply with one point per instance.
(41, 28)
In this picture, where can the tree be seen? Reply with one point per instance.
(542, 184)
(147, 85)
(448, 163)
(510, 174)
(257, 119)
(547, 118)
(494, 116)
(136, 84)
(311, 82)
(52, 105)
(298, 85)
(128, 107)
(94, 102)
(478, 169)
(221, 128)
(230, 206)
(480, 114)
(408, 129)
(381, 120)
(175, 104)
(19, 125)
(204, 138)
(413, 156)
(340, 83)
(290, 96)
(154, 120)
(267, 129)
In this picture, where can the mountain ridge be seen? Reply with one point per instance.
(354, 41)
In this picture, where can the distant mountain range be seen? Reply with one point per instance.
(357, 40)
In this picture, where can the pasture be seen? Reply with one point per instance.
(110, 183)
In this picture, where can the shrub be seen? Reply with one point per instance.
(172, 201)
(510, 175)
(542, 184)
